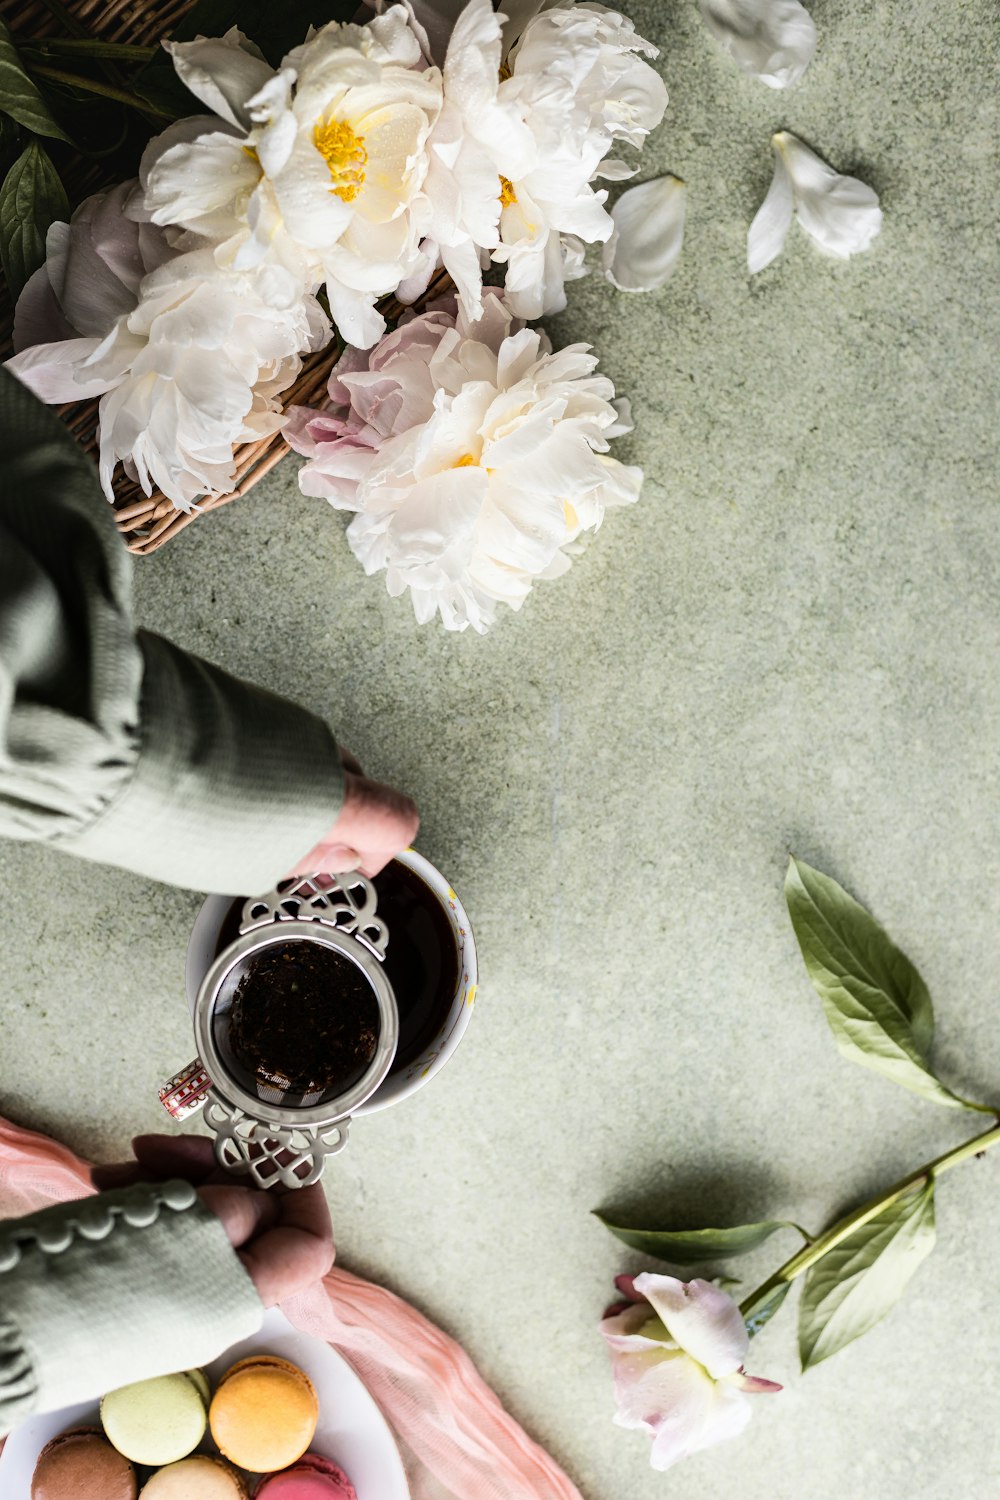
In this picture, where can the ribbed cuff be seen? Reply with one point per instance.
(109, 1290)
(232, 787)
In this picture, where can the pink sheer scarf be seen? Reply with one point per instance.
(458, 1441)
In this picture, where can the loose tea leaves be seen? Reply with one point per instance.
(305, 1014)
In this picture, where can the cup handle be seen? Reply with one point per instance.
(184, 1094)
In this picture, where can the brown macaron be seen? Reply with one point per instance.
(264, 1413)
(81, 1464)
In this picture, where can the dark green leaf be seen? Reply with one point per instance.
(31, 198)
(9, 143)
(19, 95)
(855, 1284)
(697, 1247)
(275, 28)
(763, 1308)
(876, 1003)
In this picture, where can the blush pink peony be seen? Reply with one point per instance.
(677, 1351)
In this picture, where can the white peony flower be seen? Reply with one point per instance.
(188, 360)
(317, 168)
(649, 232)
(576, 76)
(474, 456)
(772, 40)
(840, 214)
(474, 135)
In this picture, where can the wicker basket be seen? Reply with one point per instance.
(146, 522)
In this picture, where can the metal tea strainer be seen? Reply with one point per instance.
(263, 1130)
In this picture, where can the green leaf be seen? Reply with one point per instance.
(855, 1284)
(876, 1003)
(19, 95)
(697, 1247)
(763, 1308)
(31, 198)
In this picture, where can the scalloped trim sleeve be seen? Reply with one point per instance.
(108, 1290)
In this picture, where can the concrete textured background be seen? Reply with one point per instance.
(789, 643)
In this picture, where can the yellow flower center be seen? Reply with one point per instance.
(465, 462)
(504, 72)
(345, 155)
(507, 193)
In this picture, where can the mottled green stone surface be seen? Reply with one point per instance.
(789, 643)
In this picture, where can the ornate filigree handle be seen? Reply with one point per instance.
(273, 1155)
(346, 902)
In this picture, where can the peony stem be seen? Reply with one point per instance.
(830, 1238)
(92, 47)
(106, 90)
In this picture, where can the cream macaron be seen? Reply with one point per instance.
(195, 1478)
(157, 1421)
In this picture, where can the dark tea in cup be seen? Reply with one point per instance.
(421, 965)
(282, 1031)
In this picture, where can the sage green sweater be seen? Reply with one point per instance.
(114, 744)
(119, 747)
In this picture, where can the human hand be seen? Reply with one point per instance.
(374, 823)
(284, 1240)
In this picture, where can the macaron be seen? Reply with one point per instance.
(157, 1421)
(313, 1477)
(263, 1414)
(195, 1478)
(81, 1464)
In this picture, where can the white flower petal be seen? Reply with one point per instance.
(772, 221)
(772, 40)
(721, 1414)
(649, 231)
(613, 170)
(202, 184)
(840, 214)
(223, 72)
(54, 372)
(704, 1321)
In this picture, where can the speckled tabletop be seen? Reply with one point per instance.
(789, 643)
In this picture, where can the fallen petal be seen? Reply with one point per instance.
(769, 230)
(839, 213)
(772, 40)
(649, 231)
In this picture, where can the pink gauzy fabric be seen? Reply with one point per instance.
(458, 1441)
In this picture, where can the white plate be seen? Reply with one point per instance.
(351, 1430)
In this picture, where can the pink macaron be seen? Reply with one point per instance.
(312, 1477)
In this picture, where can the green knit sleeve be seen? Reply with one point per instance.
(116, 745)
(108, 1290)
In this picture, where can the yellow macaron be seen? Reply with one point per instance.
(264, 1412)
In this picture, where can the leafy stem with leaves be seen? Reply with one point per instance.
(893, 1209)
(880, 1013)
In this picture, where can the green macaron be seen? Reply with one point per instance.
(157, 1421)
